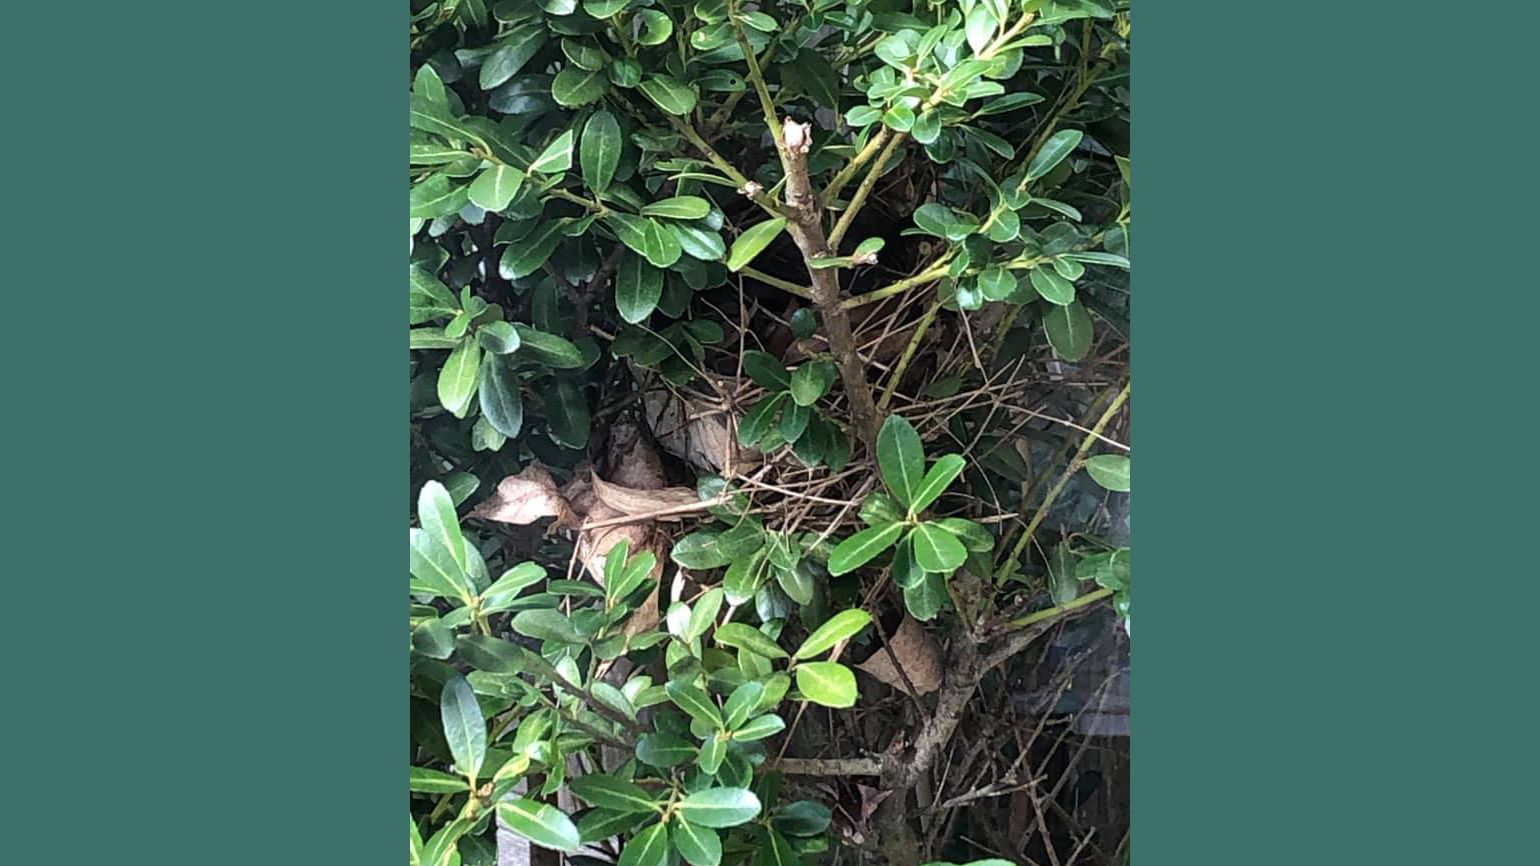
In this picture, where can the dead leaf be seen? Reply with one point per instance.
(916, 651)
(524, 498)
(631, 501)
(695, 431)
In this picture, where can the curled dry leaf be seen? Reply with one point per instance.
(525, 498)
(631, 501)
(916, 651)
(694, 431)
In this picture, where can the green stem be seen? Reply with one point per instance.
(767, 279)
(1053, 494)
(1051, 612)
(862, 191)
(909, 350)
(934, 272)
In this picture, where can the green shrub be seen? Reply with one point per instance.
(592, 183)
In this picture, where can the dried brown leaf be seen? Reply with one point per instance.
(524, 498)
(695, 432)
(631, 501)
(916, 651)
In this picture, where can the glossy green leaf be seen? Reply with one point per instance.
(753, 241)
(423, 780)
(638, 286)
(901, 457)
(647, 848)
(810, 381)
(436, 514)
(765, 370)
(573, 87)
(719, 807)
(828, 684)
(1063, 587)
(656, 27)
(435, 569)
(542, 824)
(927, 127)
(696, 703)
(512, 582)
(491, 654)
(567, 415)
(936, 549)
(548, 349)
(997, 283)
(464, 728)
(941, 475)
(495, 187)
(516, 50)
(437, 196)
(557, 156)
(759, 728)
(1069, 331)
(1110, 471)
(802, 818)
(704, 613)
(841, 626)
(863, 547)
(617, 795)
(679, 207)
(973, 536)
(458, 378)
(743, 636)
(501, 403)
(1052, 287)
(1060, 145)
(776, 850)
(525, 257)
(545, 624)
(699, 846)
(712, 751)
(664, 750)
(669, 94)
(599, 150)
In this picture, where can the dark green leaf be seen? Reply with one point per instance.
(679, 207)
(997, 283)
(573, 87)
(743, 636)
(638, 286)
(1052, 287)
(617, 795)
(759, 728)
(810, 381)
(1054, 150)
(495, 187)
(936, 549)
(541, 824)
(669, 94)
(719, 807)
(861, 548)
(776, 850)
(753, 241)
(699, 846)
(557, 156)
(501, 403)
(599, 150)
(828, 684)
(841, 626)
(901, 457)
(696, 703)
(567, 415)
(765, 370)
(545, 624)
(802, 818)
(647, 848)
(1110, 471)
(458, 378)
(663, 750)
(464, 728)
(941, 475)
(491, 654)
(548, 349)
(1069, 331)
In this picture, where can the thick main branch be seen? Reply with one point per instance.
(806, 227)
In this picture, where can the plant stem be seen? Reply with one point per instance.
(909, 350)
(1053, 494)
(934, 272)
(862, 191)
(1056, 610)
(783, 285)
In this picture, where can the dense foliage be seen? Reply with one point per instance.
(746, 336)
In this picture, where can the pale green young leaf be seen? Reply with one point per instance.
(941, 475)
(828, 684)
(753, 241)
(1110, 471)
(863, 547)
(542, 824)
